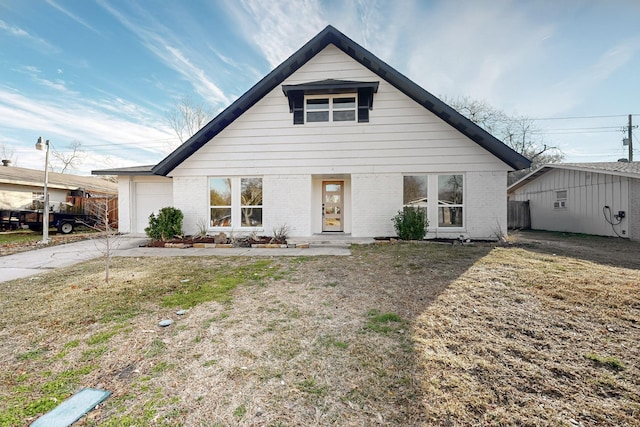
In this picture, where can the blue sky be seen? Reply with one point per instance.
(107, 72)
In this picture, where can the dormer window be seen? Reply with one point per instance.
(320, 108)
(330, 101)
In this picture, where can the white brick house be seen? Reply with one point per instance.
(332, 141)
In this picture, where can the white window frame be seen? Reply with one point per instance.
(236, 204)
(561, 199)
(330, 108)
(432, 204)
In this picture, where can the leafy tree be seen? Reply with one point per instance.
(518, 132)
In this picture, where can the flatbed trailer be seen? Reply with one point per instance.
(64, 222)
(9, 219)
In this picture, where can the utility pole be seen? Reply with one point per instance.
(630, 138)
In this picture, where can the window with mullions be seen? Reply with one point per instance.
(448, 206)
(330, 109)
(235, 202)
(561, 200)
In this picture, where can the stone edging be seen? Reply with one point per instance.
(230, 245)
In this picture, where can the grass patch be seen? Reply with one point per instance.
(72, 344)
(156, 348)
(608, 361)
(32, 355)
(310, 386)
(102, 337)
(329, 341)
(19, 237)
(93, 353)
(383, 322)
(240, 411)
(29, 401)
(219, 287)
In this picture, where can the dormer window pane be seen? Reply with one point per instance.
(344, 109)
(318, 110)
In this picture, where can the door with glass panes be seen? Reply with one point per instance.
(332, 206)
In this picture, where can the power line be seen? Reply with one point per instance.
(582, 117)
(585, 129)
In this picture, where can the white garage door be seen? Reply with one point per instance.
(150, 197)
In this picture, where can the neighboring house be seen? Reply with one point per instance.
(333, 140)
(590, 198)
(23, 189)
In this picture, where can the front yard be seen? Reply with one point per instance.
(542, 332)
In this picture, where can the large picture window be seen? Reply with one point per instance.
(235, 202)
(448, 207)
(450, 201)
(251, 202)
(220, 201)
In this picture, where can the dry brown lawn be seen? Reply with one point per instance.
(543, 332)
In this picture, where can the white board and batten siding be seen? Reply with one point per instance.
(401, 137)
(587, 195)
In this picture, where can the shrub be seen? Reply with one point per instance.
(410, 223)
(166, 225)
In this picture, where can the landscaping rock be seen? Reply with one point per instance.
(181, 312)
(220, 238)
(165, 323)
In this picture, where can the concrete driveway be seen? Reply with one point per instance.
(38, 261)
(41, 260)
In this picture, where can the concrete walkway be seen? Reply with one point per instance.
(38, 261)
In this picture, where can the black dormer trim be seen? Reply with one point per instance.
(296, 93)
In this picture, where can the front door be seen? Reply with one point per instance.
(332, 205)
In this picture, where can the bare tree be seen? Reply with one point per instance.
(71, 158)
(102, 211)
(7, 153)
(188, 118)
(518, 132)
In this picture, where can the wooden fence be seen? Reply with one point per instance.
(518, 215)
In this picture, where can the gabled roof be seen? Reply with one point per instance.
(628, 169)
(35, 178)
(330, 35)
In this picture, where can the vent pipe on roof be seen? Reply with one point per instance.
(6, 163)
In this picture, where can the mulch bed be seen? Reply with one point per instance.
(244, 242)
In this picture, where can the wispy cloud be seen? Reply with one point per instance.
(489, 42)
(573, 89)
(278, 27)
(18, 32)
(159, 40)
(103, 126)
(35, 74)
(75, 17)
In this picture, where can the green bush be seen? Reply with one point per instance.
(166, 225)
(410, 223)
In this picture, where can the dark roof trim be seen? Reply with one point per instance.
(330, 86)
(133, 170)
(330, 35)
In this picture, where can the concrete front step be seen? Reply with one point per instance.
(327, 240)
